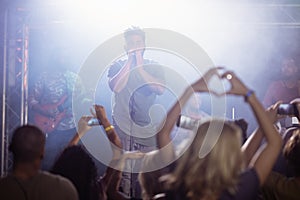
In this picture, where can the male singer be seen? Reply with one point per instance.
(136, 82)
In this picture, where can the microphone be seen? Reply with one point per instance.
(94, 122)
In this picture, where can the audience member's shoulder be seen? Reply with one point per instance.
(5, 180)
(277, 180)
(60, 184)
(53, 178)
(50, 176)
(8, 188)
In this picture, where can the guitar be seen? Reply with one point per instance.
(49, 124)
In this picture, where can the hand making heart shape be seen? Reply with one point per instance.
(237, 86)
(220, 82)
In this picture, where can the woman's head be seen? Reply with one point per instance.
(292, 151)
(76, 164)
(219, 169)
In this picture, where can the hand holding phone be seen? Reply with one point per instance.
(287, 109)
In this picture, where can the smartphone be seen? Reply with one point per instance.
(287, 109)
(94, 122)
(187, 122)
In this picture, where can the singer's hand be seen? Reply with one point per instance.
(139, 57)
(131, 56)
(139, 53)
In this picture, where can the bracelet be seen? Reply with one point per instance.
(109, 128)
(248, 94)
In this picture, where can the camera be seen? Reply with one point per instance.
(94, 122)
(187, 122)
(287, 109)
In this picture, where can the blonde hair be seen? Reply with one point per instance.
(207, 177)
(149, 180)
(150, 184)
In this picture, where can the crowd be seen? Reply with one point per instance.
(215, 162)
(230, 170)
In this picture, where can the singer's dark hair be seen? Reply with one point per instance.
(134, 30)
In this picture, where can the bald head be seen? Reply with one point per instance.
(27, 144)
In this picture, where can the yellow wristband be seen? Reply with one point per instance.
(109, 128)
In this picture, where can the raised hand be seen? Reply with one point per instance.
(111, 134)
(133, 155)
(202, 84)
(237, 86)
(139, 53)
(83, 126)
(131, 56)
(100, 113)
(272, 112)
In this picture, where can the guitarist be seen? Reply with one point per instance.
(50, 104)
